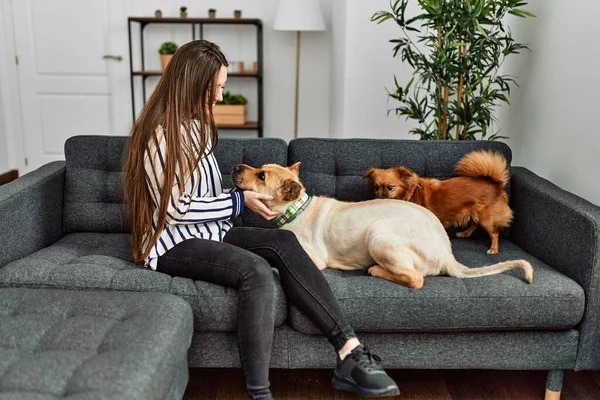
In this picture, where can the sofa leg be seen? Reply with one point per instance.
(554, 384)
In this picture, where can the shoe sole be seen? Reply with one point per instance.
(349, 387)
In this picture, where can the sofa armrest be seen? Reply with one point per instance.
(31, 209)
(562, 230)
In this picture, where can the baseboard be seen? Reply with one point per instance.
(8, 176)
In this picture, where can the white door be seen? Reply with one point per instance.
(71, 80)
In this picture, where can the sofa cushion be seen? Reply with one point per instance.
(497, 302)
(93, 261)
(89, 345)
(94, 198)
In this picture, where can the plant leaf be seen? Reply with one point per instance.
(480, 29)
(521, 13)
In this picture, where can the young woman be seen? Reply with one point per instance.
(182, 225)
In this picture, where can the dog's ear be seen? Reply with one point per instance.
(413, 184)
(404, 172)
(369, 173)
(295, 168)
(290, 190)
(410, 179)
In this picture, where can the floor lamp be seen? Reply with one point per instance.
(298, 16)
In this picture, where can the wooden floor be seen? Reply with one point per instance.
(228, 384)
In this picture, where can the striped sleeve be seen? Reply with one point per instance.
(186, 208)
(193, 209)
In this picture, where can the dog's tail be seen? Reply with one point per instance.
(459, 270)
(484, 164)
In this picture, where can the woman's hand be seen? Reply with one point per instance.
(254, 201)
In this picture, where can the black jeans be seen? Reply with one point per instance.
(243, 261)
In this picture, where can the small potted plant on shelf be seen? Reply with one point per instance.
(166, 50)
(183, 12)
(237, 14)
(158, 14)
(212, 13)
(231, 111)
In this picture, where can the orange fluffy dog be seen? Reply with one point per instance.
(476, 197)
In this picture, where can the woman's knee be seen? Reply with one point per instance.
(284, 239)
(259, 273)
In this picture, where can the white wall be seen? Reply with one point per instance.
(4, 164)
(3, 143)
(238, 44)
(7, 154)
(369, 71)
(363, 69)
(337, 81)
(553, 121)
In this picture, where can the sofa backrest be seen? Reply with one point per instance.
(335, 167)
(94, 198)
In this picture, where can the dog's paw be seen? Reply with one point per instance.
(374, 270)
(493, 251)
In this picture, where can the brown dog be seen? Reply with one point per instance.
(475, 198)
(394, 240)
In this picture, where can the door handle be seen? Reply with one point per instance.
(111, 57)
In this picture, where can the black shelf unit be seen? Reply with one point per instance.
(197, 25)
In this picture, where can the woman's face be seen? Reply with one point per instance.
(221, 81)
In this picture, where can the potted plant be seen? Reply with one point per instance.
(212, 13)
(183, 12)
(456, 84)
(237, 14)
(158, 14)
(166, 51)
(231, 110)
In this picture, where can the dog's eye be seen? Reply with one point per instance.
(390, 187)
(261, 175)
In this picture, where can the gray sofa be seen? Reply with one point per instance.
(90, 345)
(65, 226)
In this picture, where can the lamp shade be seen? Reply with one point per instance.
(299, 15)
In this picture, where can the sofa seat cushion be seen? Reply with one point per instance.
(58, 344)
(100, 261)
(497, 302)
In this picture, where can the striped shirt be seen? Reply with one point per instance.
(204, 210)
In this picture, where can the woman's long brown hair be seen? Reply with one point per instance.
(185, 92)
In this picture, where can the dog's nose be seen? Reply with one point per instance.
(237, 169)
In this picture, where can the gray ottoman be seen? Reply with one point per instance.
(83, 345)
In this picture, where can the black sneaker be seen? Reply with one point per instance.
(361, 372)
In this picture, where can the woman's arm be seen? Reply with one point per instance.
(185, 208)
